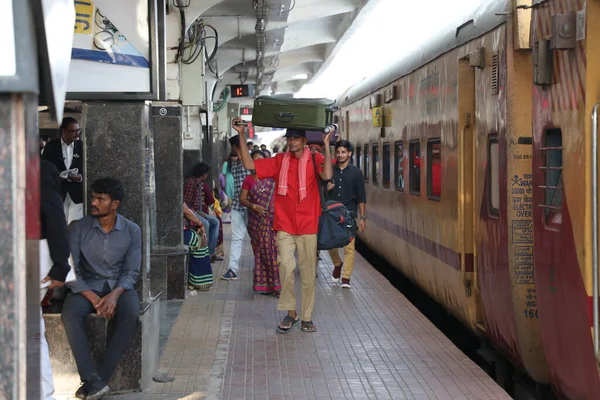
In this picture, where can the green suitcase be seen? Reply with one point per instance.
(287, 112)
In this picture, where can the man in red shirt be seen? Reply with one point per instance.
(297, 212)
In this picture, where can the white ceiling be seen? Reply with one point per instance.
(301, 35)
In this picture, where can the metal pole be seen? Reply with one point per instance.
(595, 224)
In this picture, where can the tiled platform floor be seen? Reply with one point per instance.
(371, 343)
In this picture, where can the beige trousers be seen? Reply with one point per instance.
(348, 259)
(306, 245)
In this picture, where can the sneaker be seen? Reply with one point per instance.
(346, 283)
(82, 392)
(215, 258)
(337, 271)
(229, 275)
(93, 388)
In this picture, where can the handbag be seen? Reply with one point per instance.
(336, 223)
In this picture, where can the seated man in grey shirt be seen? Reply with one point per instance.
(107, 252)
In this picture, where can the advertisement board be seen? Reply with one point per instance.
(115, 50)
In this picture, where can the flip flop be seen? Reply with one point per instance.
(285, 321)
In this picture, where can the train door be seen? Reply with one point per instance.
(466, 186)
(487, 68)
(566, 38)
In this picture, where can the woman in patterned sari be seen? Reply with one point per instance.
(257, 196)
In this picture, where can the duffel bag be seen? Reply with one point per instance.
(337, 227)
(290, 113)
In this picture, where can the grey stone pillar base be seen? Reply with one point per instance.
(168, 272)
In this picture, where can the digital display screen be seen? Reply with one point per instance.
(246, 111)
(242, 90)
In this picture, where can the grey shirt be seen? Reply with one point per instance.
(101, 257)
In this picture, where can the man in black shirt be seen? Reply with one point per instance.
(347, 187)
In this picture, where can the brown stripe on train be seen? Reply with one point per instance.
(434, 249)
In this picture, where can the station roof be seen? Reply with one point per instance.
(278, 45)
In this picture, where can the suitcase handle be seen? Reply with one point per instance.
(285, 116)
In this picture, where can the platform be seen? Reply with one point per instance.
(371, 343)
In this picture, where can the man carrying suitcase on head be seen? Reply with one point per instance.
(297, 211)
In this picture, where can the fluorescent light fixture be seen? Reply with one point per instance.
(299, 76)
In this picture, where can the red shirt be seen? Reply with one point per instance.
(249, 182)
(291, 215)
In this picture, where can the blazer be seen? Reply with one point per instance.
(53, 153)
(54, 224)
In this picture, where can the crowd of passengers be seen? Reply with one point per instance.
(273, 198)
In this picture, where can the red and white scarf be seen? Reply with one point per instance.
(285, 167)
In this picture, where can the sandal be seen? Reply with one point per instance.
(308, 326)
(287, 320)
(204, 288)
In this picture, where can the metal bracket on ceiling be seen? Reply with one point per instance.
(534, 6)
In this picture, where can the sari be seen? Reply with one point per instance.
(263, 238)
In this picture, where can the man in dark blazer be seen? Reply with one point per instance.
(55, 237)
(66, 154)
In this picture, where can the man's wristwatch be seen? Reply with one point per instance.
(363, 217)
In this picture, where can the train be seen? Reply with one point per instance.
(479, 151)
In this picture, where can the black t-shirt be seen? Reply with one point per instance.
(349, 187)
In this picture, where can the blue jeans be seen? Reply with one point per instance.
(211, 226)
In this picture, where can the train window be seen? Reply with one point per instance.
(366, 163)
(358, 156)
(553, 175)
(399, 162)
(434, 169)
(494, 176)
(387, 168)
(415, 168)
(375, 176)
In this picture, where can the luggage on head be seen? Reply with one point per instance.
(288, 112)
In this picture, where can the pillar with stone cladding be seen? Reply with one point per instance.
(118, 143)
(168, 272)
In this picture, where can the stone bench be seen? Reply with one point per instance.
(137, 366)
(168, 272)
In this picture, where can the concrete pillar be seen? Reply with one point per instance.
(118, 143)
(13, 263)
(168, 271)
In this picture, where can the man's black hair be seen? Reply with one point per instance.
(66, 121)
(110, 186)
(257, 152)
(250, 143)
(345, 144)
(200, 169)
(263, 145)
(234, 141)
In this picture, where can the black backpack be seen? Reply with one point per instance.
(337, 227)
